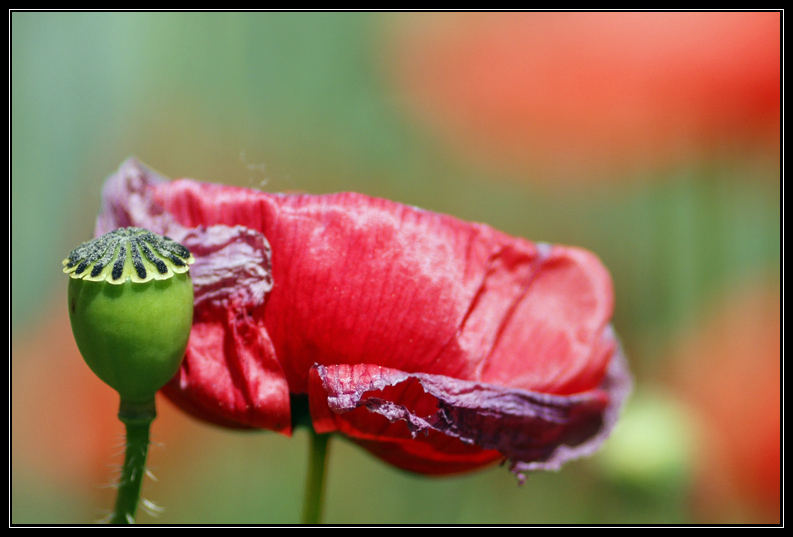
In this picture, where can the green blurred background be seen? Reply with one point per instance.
(673, 179)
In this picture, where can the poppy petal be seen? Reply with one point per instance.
(465, 423)
(366, 280)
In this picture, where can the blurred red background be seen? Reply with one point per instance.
(728, 370)
(583, 96)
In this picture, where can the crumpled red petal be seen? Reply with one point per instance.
(489, 346)
(343, 398)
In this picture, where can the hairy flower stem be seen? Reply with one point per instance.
(137, 418)
(315, 481)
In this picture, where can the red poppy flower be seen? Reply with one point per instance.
(438, 345)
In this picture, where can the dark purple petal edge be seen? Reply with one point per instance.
(535, 431)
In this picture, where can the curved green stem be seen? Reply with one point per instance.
(315, 481)
(137, 418)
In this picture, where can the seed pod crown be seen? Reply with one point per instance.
(134, 253)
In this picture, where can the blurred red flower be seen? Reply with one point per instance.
(394, 321)
(729, 370)
(581, 95)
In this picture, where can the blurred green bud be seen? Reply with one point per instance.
(131, 308)
(653, 447)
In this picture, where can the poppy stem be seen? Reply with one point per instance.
(137, 418)
(315, 480)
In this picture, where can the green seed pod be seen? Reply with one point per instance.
(131, 309)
